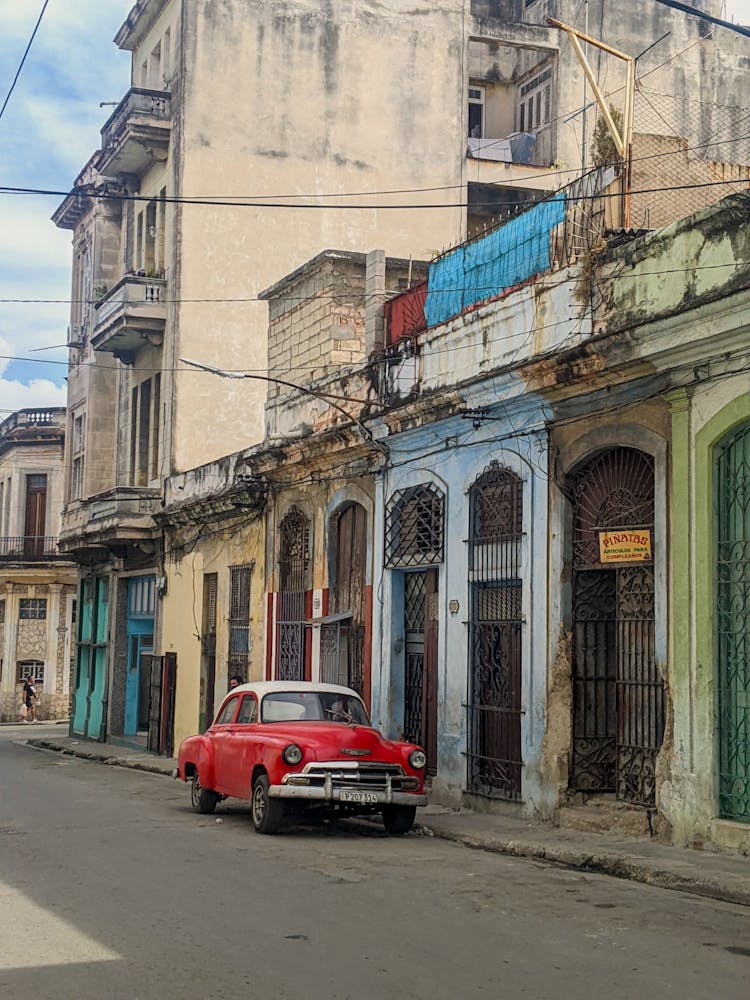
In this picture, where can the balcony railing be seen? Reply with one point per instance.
(137, 132)
(33, 418)
(29, 548)
(130, 314)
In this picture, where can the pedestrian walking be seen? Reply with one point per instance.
(29, 699)
(235, 681)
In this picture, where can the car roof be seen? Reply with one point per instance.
(262, 688)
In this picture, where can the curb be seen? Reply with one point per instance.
(614, 865)
(134, 765)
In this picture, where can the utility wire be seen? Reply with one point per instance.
(23, 59)
(223, 203)
(685, 9)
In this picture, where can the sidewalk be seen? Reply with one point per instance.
(702, 873)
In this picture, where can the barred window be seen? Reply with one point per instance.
(33, 608)
(414, 527)
(30, 668)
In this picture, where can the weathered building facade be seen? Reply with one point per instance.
(171, 248)
(37, 582)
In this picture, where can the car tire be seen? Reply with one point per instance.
(398, 820)
(203, 800)
(267, 813)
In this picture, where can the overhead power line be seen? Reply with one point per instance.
(701, 15)
(23, 58)
(370, 207)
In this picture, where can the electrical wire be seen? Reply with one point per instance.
(23, 58)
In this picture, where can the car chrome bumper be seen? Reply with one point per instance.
(312, 793)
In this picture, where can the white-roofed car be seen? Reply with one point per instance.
(291, 747)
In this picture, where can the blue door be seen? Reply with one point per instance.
(140, 630)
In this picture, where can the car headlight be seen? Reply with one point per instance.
(292, 754)
(417, 759)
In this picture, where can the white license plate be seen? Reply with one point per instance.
(365, 798)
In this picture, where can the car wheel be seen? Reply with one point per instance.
(203, 800)
(399, 819)
(267, 813)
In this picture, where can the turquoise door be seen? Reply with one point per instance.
(91, 665)
(140, 631)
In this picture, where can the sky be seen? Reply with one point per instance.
(49, 130)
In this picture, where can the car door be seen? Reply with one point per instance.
(224, 744)
(245, 753)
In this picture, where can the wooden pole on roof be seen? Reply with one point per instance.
(623, 143)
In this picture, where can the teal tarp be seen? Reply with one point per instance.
(506, 257)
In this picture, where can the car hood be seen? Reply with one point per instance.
(332, 740)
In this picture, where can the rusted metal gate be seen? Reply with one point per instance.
(420, 662)
(343, 634)
(733, 622)
(293, 573)
(162, 688)
(618, 691)
(494, 697)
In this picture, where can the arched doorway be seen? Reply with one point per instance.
(732, 491)
(618, 691)
(342, 638)
(496, 608)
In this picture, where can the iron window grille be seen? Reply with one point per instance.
(30, 668)
(414, 527)
(32, 608)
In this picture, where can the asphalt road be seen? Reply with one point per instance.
(110, 887)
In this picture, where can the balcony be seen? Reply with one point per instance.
(130, 316)
(137, 134)
(119, 517)
(30, 549)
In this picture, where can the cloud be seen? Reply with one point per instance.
(49, 130)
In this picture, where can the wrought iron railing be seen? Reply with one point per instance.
(29, 548)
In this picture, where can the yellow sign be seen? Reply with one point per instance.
(624, 546)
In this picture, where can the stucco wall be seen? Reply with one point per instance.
(299, 115)
(208, 550)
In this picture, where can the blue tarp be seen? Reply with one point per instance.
(506, 257)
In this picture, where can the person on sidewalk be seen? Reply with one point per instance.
(29, 699)
(235, 681)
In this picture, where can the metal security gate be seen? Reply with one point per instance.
(494, 697)
(291, 618)
(420, 662)
(733, 623)
(618, 691)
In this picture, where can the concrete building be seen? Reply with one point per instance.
(37, 582)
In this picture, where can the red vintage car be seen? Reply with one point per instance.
(292, 746)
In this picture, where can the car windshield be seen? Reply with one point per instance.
(313, 706)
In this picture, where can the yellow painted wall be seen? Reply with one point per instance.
(182, 612)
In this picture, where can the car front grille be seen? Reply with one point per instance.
(367, 775)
